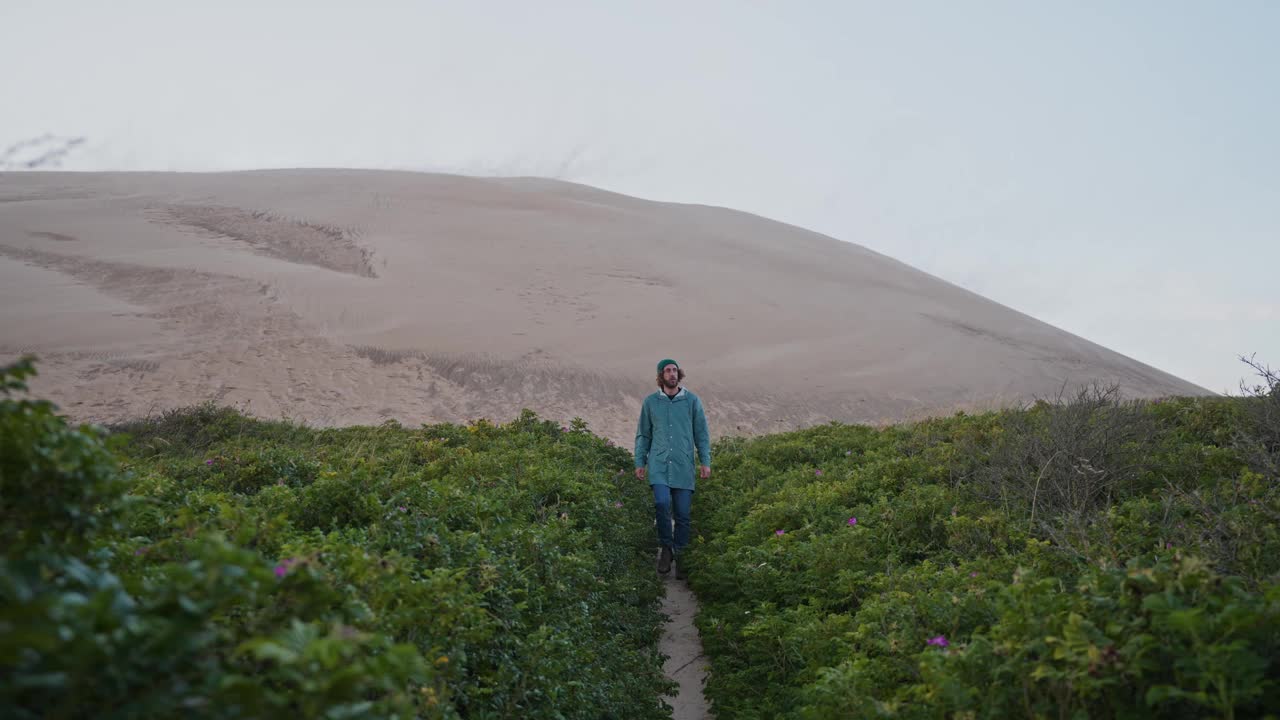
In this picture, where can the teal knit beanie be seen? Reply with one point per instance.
(665, 363)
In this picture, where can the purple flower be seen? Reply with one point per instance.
(817, 473)
(283, 568)
(847, 453)
(209, 461)
(973, 574)
(403, 509)
(618, 504)
(141, 551)
(779, 533)
(853, 521)
(939, 641)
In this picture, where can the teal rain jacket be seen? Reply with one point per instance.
(668, 432)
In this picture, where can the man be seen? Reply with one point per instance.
(672, 424)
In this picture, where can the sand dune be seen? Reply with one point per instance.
(338, 296)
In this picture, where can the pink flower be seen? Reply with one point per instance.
(283, 568)
(817, 473)
(940, 641)
(618, 504)
(973, 574)
(779, 533)
(847, 453)
(403, 509)
(209, 461)
(853, 521)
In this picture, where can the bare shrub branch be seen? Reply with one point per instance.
(1260, 441)
(1069, 457)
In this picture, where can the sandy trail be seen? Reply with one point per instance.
(686, 663)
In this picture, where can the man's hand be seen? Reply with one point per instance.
(640, 473)
(704, 471)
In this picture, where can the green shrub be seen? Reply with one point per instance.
(58, 485)
(95, 625)
(1007, 564)
(1163, 637)
(251, 469)
(247, 569)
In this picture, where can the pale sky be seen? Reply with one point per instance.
(1111, 168)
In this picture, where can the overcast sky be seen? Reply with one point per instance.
(1112, 168)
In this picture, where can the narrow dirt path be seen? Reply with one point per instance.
(680, 643)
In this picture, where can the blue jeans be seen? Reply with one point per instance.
(665, 500)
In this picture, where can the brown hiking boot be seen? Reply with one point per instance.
(664, 561)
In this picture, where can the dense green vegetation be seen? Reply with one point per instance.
(1081, 558)
(207, 565)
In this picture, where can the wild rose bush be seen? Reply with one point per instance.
(204, 564)
(916, 571)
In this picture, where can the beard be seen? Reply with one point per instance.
(670, 383)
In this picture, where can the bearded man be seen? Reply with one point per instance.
(672, 426)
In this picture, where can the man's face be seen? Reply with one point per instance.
(671, 376)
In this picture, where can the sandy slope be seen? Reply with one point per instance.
(340, 296)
